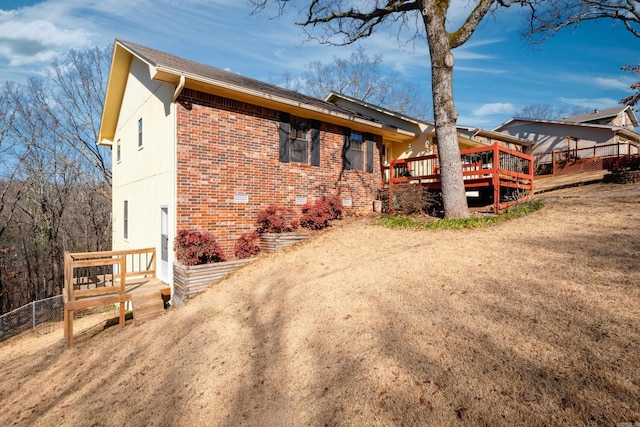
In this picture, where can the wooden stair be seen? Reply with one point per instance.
(147, 305)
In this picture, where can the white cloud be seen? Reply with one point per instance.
(608, 83)
(494, 108)
(591, 103)
(481, 70)
(468, 55)
(28, 37)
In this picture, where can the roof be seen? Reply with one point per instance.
(597, 115)
(502, 137)
(172, 69)
(334, 96)
(615, 129)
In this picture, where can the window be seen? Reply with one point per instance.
(353, 151)
(125, 225)
(356, 151)
(299, 140)
(118, 151)
(140, 132)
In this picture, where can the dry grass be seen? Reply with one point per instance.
(534, 321)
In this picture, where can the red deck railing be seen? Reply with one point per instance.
(493, 166)
(575, 160)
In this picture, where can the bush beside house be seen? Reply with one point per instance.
(201, 262)
(624, 170)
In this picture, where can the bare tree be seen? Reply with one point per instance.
(538, 111)
(79, 84)
(54, 180)
(549, 112)
(550, 16)
(359, 77)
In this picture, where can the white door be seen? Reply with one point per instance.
(164, 244)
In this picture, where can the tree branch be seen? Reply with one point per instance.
(460, 36)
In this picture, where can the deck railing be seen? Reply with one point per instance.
(550, 162)
(607, 150)
(93, 279)
(479, 169)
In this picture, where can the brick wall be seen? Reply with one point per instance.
(227, 148)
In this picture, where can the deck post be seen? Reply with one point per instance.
(391, 164)
(495, 178)
(66, 295)
(123, 288)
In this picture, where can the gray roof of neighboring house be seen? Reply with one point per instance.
(556, 122)
(615, 129)
(181, 66)
(609, 113)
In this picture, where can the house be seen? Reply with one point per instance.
(597, 135)
(196, 147)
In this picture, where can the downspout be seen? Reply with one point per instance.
(172, 231)
(179, 88)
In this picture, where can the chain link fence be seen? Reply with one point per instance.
(31, 316)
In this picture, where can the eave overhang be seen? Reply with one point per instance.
(118, 74)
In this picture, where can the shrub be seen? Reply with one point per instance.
(315, 216)
(194, 248)
(276, 219)
(414, 199)
(246, 245)
(319, 215)
(629, 162)
(333, 205)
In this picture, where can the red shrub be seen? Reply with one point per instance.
(321, 213)
(194, 248)
(629, 162)
(333, 205)
(246, 245)
(276, 219)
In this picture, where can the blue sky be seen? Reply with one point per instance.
(497, 73)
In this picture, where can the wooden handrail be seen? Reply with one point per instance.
(114, 292)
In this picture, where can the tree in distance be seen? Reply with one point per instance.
(359, 77)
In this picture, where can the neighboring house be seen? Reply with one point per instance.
(489, 137)
(599, 134)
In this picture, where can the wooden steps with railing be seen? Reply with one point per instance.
(94, 279)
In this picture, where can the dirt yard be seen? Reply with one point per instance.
(535, 321)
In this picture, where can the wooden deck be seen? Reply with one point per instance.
(94, 279)
(507, 173)
(550, 182)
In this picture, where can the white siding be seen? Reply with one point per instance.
(144, 176)
(549, 137)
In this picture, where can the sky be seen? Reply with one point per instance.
(496, 74)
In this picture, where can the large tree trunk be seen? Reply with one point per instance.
(445, 113)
